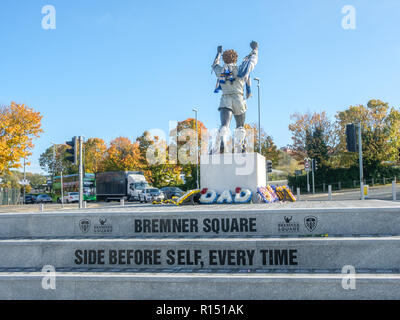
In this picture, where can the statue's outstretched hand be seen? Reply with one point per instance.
(254, 45)
(219, 49)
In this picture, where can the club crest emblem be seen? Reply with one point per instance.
(84, 225)
(311, 223)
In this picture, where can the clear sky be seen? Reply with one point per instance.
(117, 68)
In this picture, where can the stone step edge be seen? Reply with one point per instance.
(200, 239)
(191, 276)
(197, 272)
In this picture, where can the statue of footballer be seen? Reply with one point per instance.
(233, 81)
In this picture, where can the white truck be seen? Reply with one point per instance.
(118, 185)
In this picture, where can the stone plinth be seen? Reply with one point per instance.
(227, 171)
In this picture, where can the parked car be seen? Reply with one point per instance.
(30, 198)
(71, 197)
(44, 198)
(150, 195)
(170, 192)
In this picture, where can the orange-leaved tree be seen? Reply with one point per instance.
(122, 155)
(95, 154)
(19, 125)
(184, 145)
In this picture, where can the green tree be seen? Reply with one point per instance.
(53, 160)
(380, 132)
(311, 131)
(316, 146)
(35, 179)
(268, 148)
(155, 161)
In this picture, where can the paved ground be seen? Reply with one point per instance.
(137, 207)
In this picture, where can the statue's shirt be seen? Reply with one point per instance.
(233, 91)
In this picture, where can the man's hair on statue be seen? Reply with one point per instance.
(230, 56)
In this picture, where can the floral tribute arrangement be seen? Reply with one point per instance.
(270, 194)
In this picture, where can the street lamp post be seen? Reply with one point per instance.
(313, 172)
(23, 201)
(259, 115)
(361, 162)
(197, 150)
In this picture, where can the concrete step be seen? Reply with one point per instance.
(153, 286)
(197, 254)
(208, 221)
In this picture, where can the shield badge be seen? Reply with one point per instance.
(84, 225)
(311, 223)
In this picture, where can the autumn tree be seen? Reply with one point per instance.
(95, 154)
(122, 155)
(313, 135)
(19, 125)
(10, 180)
(184, 140)
(185, 147)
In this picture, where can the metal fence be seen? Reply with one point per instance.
(10, 196)
(349, 184)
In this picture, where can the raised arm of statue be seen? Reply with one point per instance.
(216, 66)
(249, 62)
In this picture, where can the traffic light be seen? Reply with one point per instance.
(73, 150)
(351, 137)
(269, 166)
(314, 165)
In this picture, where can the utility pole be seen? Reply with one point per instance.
(23, 201)
(360, 161)
(80, 172)
(259, 115)
(197, 150)
(312, 173)
(62, 190)
(54, 168)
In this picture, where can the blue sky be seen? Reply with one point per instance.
(117, 68)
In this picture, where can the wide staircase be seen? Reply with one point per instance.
(202, 252)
